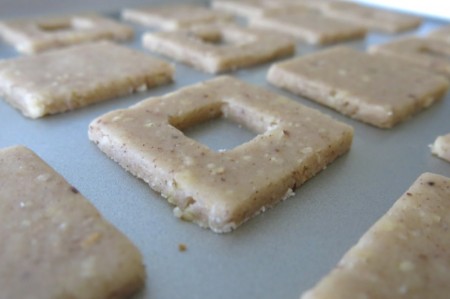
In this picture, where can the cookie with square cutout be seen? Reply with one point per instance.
(221, 190)
(41, 34)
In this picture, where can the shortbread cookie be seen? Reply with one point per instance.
(171, 17)
(442, 33)
(429, 53)
(441, 147)
(372, 18)
(243, 47)
(257, 8)
(69, 78)
(54, 243)
(221, 190)
(36, 35)
(375, 89)
(404, 255)
(310, 26)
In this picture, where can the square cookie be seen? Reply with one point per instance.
(178, 16)
(378, 90)
(36, 35)
(310, 26)
(441, 147)
(54, 243)
(423, 52)
(403, 255)
(69, 78)
(370, 17)
(257, 8)
(220, 48)
(442, 33)
(221, 190)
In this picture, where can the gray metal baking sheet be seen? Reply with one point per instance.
(278, 254)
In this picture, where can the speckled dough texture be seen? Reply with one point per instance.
(424, 52)
(171, 17)
(37, 35)
(198, 47)
(404, 255)
(375, 89)
(370, 17)
(54, 243)
(66, 79)
(441, 147)
(310, 26)
(442, 33)
(221, 190)
(256, 8)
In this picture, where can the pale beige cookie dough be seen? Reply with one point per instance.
(241, 47)
(405, 255)
(36, 35)
(54, 243)
(257, 8)
(309, 26)
(372, 18)
(441, 147)
(73, 77)
(221, 190)
(442, 33)
(374, 89)
(175, 16)
(424, 52)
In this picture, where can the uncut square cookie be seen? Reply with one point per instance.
(403, 255)
(69, 78)
(256, 8)
(171, 17)
(221, 190)
(217, 49)
(441, 147)
(54, 243)
(310, 26)
(372, 18)
(36, 35)
(424, 52)
(375, 89)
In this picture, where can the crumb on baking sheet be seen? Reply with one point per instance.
(182, 247)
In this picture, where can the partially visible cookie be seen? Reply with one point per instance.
(178, 16)
(441, 147)
(257, 8)
(69, 78)
(221, 190)
(37, 35)
(442, 33)
(220, 48)
(54, 243)
(403, 255)
(424, 52)
(309, 26)
(375, 89)
(372, 18)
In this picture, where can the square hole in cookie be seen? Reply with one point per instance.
(220, 134)
(221, 189)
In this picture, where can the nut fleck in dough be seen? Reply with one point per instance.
(54, 243)
(404, 255)
(171, 17)
(69, 78)
(257, 8)
(441, 147)
(424, 52)
(199, 46)
(221, 190)
(36, 35)
(372, 18)
(310, 26)
(375, 89)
